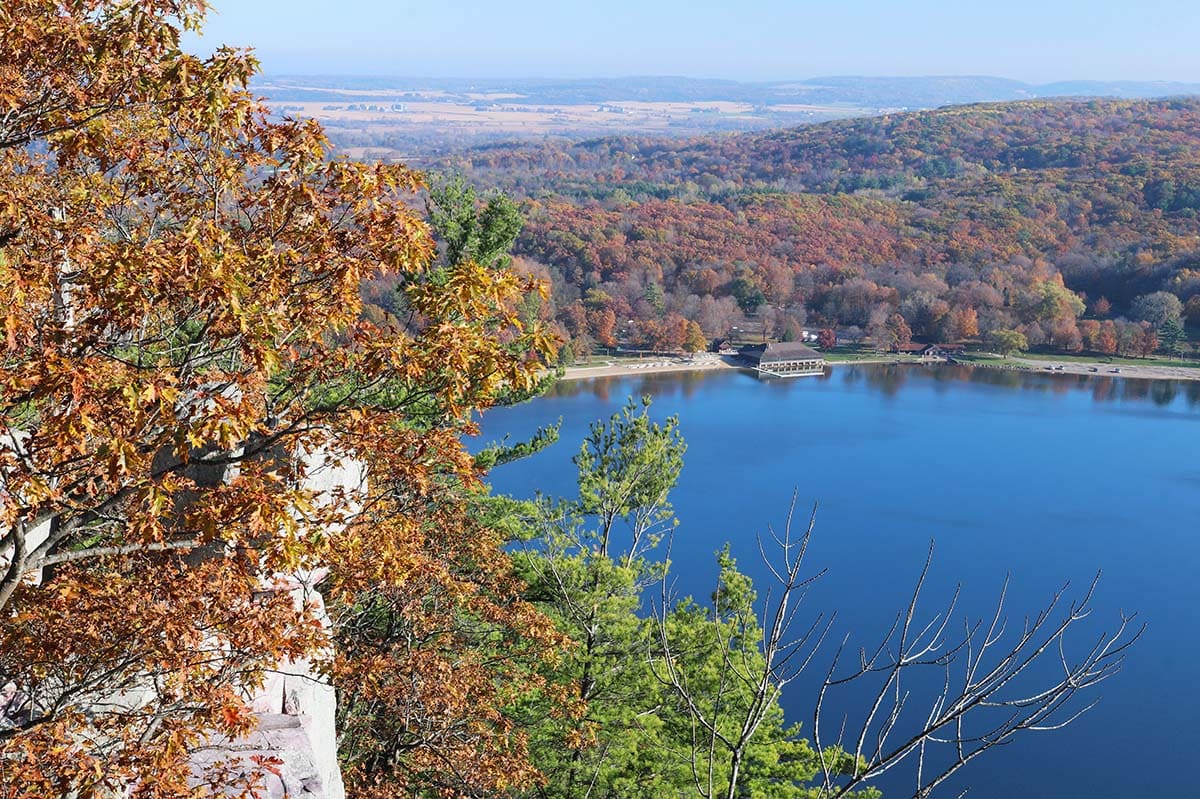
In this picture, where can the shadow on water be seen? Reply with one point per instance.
(890, 379)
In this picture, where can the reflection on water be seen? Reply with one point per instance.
(682, 384)
(890, 379)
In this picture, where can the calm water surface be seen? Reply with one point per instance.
(1048, 478)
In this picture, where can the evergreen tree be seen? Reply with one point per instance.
(591, 566)
(1171, 336)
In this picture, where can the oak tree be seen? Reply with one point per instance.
(185, 373)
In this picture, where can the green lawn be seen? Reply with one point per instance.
(849, 353)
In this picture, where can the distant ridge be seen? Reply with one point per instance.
(1118, 88)
(877, 93)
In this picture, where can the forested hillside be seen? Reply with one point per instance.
(1050, 217)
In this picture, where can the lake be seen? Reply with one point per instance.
(1045, 477)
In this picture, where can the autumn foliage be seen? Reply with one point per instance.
(184, 356)
(958, 219)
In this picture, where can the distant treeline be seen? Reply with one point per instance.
(1032, 216)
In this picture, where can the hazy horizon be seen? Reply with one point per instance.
(761, 40)
(616, 76)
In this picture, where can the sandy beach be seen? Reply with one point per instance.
(1148, 371)
(701, 363)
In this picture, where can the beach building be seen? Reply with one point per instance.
(941, 352)
(931, 352)
(786, 359)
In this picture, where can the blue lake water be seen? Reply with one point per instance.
(1048, 478)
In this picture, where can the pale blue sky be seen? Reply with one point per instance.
(1034, 40)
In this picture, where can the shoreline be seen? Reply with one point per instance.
(709, 363)
(704, 363)
(1146, 371)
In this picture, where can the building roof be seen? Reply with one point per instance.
(788, 351)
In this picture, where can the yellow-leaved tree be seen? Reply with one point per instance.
(183, 348)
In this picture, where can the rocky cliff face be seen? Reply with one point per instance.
(296, 708)
(296, 734)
